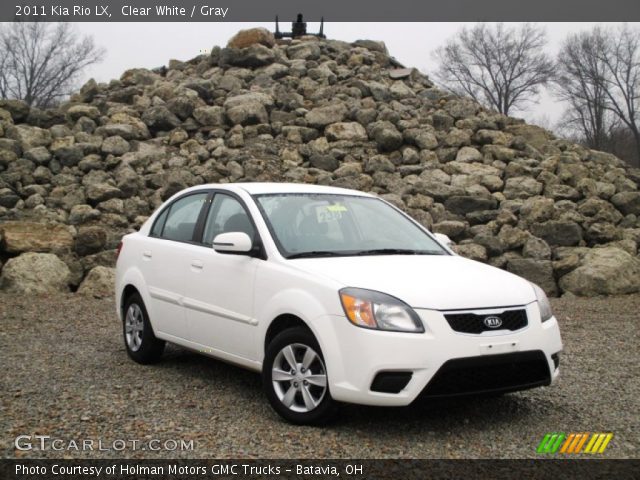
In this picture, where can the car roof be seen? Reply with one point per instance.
(261, 188)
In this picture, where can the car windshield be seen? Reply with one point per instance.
(327, 225)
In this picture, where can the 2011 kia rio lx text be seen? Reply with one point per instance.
(334, 295)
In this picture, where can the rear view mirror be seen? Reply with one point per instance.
(444, 239)
(232, 242)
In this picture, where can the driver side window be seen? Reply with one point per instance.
(226, 215)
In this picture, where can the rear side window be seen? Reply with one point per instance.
(181, 218)
(159, 225)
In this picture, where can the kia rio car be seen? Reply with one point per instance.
(334, 295)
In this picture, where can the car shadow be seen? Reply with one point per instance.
(432, 415)
(439, 415)
(202, 367)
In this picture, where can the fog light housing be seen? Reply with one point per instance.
(390, 382)
(556, 360)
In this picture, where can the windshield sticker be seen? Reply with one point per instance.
(337, 207)
(329, 213)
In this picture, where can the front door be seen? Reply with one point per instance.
(219, 304)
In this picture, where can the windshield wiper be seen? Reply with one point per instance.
(362, 253)
(396, 251)
(316, 253)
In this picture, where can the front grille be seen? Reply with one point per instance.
(490, 373)
(474, 323)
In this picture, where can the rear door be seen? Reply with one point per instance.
(166, 262)
(219, 304)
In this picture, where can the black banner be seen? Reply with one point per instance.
(398, 469)
(331, 10)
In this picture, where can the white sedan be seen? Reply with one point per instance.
(334, 295)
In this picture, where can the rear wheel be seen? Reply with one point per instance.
(295, 379)
(140, 341)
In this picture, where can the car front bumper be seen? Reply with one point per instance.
(355, 356)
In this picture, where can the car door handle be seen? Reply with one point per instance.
(146, 254)
(197, 264)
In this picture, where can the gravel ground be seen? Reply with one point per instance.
(66, 375)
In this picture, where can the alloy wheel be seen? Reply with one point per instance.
(299, 377)
(133, 327)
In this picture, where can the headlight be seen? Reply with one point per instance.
(371, 309)
(543, 303)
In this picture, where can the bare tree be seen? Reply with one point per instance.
(599, 78)
(579, 82)
(40, 62)
(499, 66)
(620, 53)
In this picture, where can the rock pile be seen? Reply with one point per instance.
(74, 179)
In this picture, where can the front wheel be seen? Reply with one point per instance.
(295, 380)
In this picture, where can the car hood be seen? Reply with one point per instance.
(440, 282)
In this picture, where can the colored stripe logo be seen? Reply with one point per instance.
(573, 443)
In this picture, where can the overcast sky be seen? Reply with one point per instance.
(151, 45)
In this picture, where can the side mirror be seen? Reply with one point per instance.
(444, 239)
(232, 242)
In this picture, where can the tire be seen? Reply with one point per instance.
(300, 395)
(139, 340)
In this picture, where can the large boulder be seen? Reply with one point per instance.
(464, 204)
(522, 187)
(451, 228)
(115, 145)
(627, 202)
(254, 56)
(18, 109)
(536, 248)
(251, 97)
(468, 154)
(99, 282)
(472, 251)
(350, 131)
(539, 272)
(304, 51)
(209, 116)
(512, 238)
(29, 137)
(35, 273)
(90, 240)
(421, 138)
(535, 136)
(248, 108)
(160, 118)
(75, 112)
(537, 209)
(436, 189)
(324, 162)
(18, 237)
(100, 192)
(320, 117)
(558, 232)
(604, 271)
(248, 113)
(386, 136)
(129, 127)
(252, 36)
(8, 198)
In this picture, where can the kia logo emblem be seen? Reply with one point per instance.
(493, 322)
